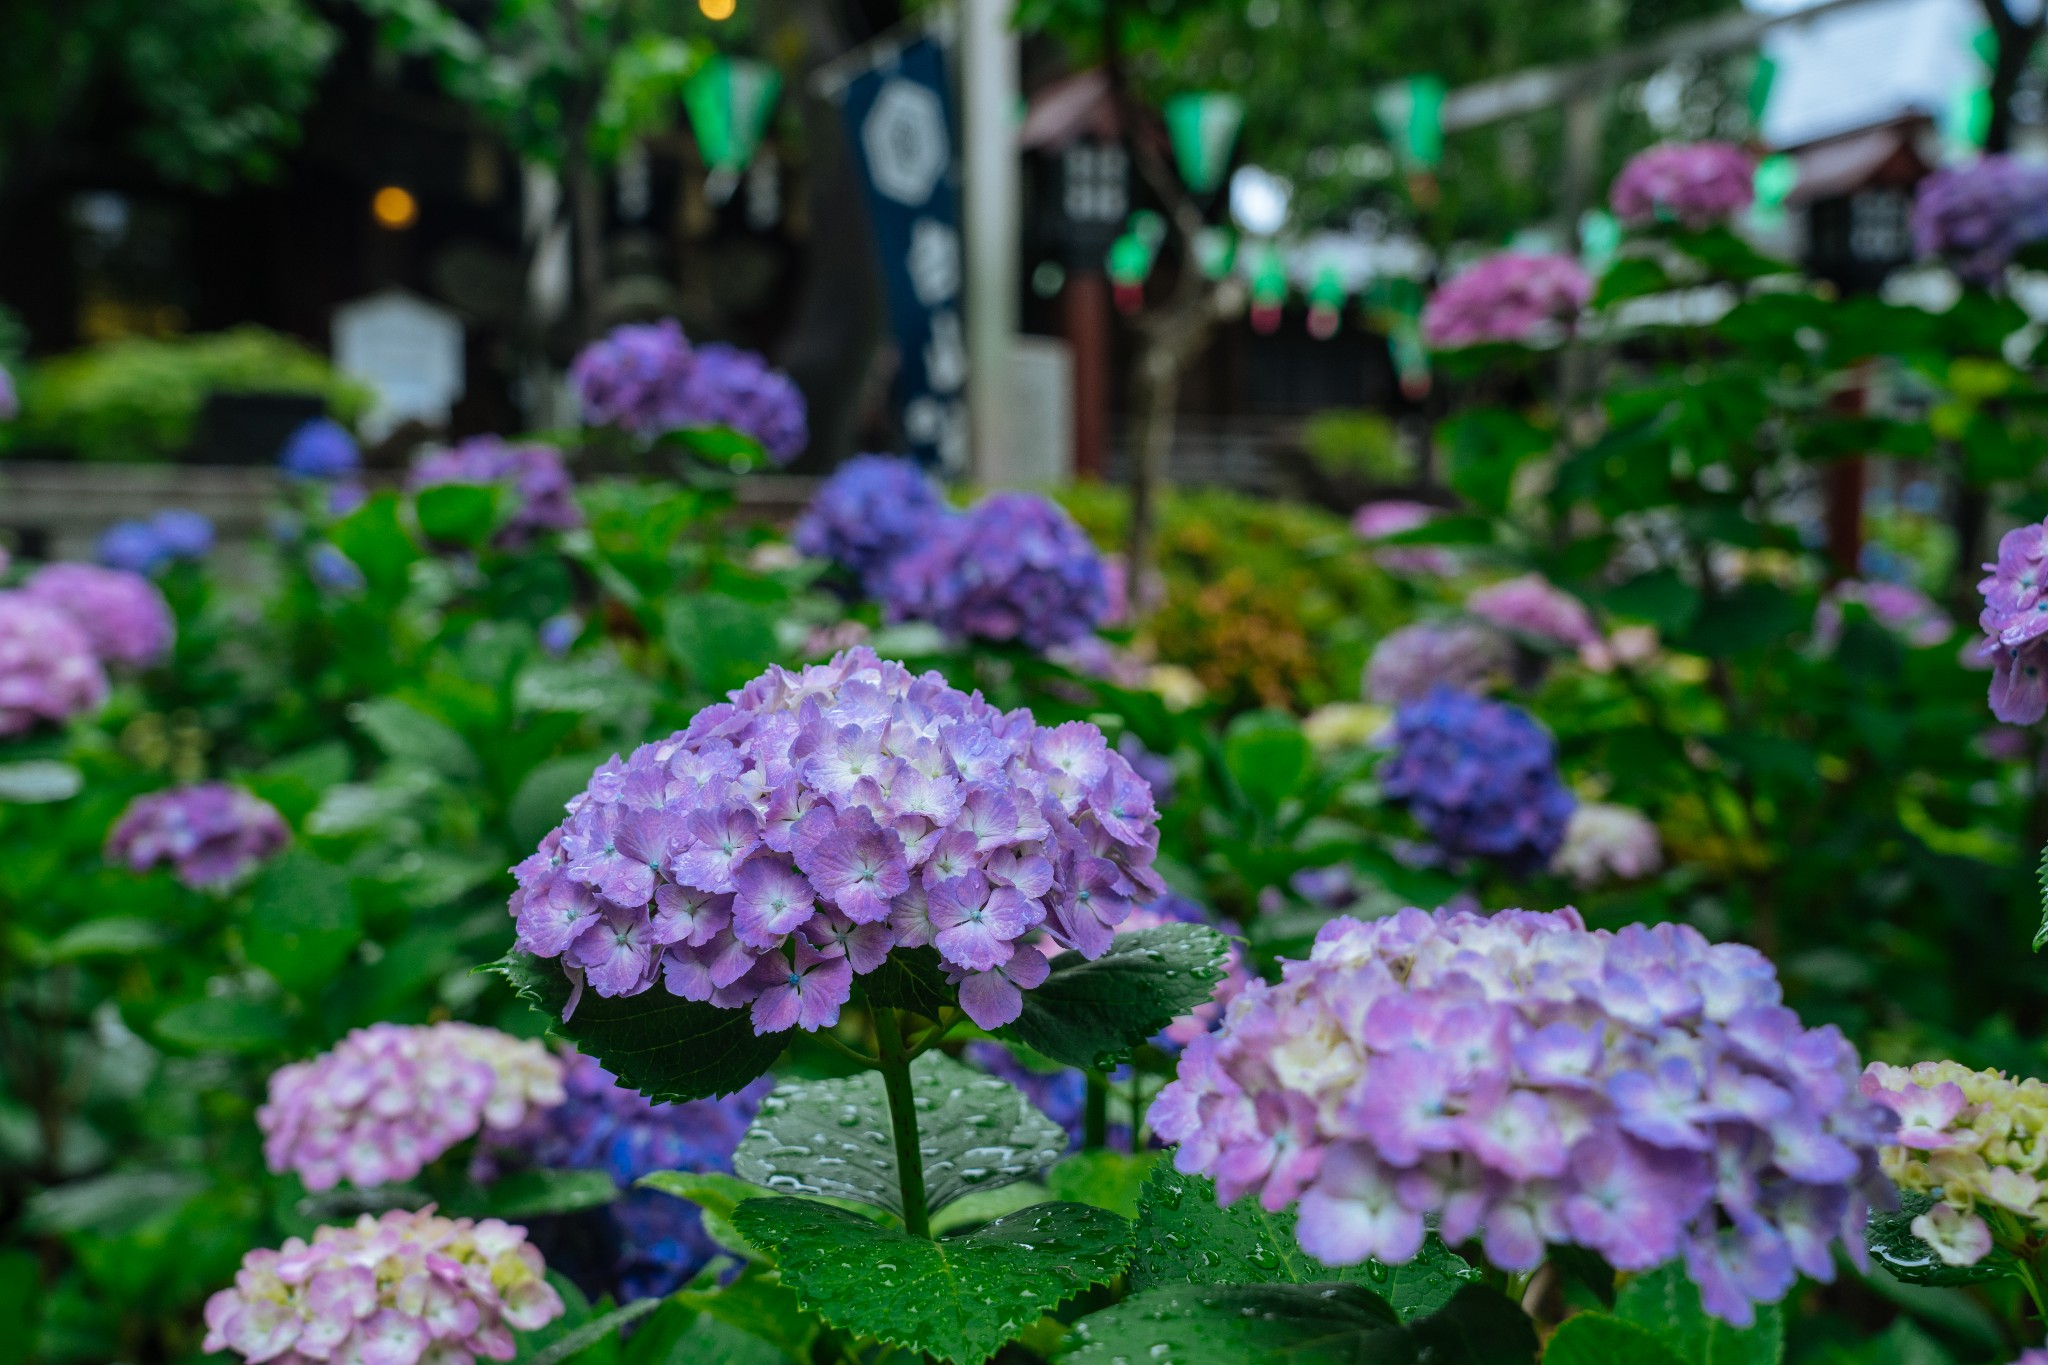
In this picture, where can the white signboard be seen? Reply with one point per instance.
(1042, 423)
(408, 350)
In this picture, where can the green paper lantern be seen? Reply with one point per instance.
(1269, 277)
(1599, 239)
(1412, 112)
(1203, 128)
(729, 100)
(1130, 260)
(1215, 251)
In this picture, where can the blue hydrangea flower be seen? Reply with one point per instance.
(871, 511)
(320, 449)
(603, 1126)
(1013, 567)
(1480, 777)
(183, 534)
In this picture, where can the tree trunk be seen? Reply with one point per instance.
(1151, 443)
(2015, 45)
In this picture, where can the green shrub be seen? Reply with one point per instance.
(140, 399)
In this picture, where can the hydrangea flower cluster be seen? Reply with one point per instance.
(48, 669)
(121, 613)
(1696, 183)
(871, 511)
(397, 1290)
(210, 834)
(146, 546)
(1410, 661)
(1978, 216)
(1480, 777)
(544, 495)
(728, 387)
(1971, 1140)
(1513, 297)
(1642, 1094)
(320, 450)
(1013, 567)
(1900, 608)
(2015, 617)
(790, 838)
(604, 1126)
(1604, 841)
(633, 378)
(390, 1098)
(1390, 517)
(1531, 606)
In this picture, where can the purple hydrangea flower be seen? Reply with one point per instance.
(397, 1290)
(1532, 607)
(1644, 1094)
(606, 1127)
(211, 834)
(1512, 297)
(2015, 617)
(184, 534)
(790, 838)
(1900, 608)
(728, 387)
(122, 613)
(1412, 660)
(872, 510)
(1695, 183)
(1014, 567)
(390, 1098)
(544, 498)
(1390, 517)
(633, 378)
(1604, 842)
(1480, 777)
(1156, 769)
(1978, 216)
(48, 668)
(320, 449)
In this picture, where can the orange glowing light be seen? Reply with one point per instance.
(394, 207)
(719, 10)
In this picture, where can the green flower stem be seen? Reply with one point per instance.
(1095, 1113)
(895, 1069)
(846, 1050)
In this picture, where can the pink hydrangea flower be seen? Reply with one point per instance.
(789, 839)
(211, 834)
(1696, 183)
(1528, 1082)
(122, 613)
(1532, 606)
(1412, 660)
(390, 1098)
(1513, 297)
(1390, 517)
(1900, 608)
(1605, 842)
(403, 1289)
(48, 668)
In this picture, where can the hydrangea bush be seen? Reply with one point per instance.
(1511, 297)
(211, 835)
(729, 387)
(1697, 184)
(534, 477)
(49, 670)
(1480, 777)
(872, 511)
(1012, 567)
(122, 613)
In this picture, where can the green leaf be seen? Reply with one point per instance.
(406, 733)
(759, 1305)
(832, 1137)
(1268, 757)
(959, 1298)
(911, 979)
(303, 922)
(1108, 1180)
(1890, 1240)
(119, 936)
(376, 543)
(537, 805)
(667, 1048)
(530, 1194)
(2041, 876)
(722, 446)
(1662, 598)
(1184, 1238)
(719, 640)
(709, 1341)
(1300, 1324)
(592, 1332)
(1486, 446)
(1751, 617)
(223, 1024)
(1630, 277)
(1666, 1303)
(460, 513)
(111, 1204)
(716, 1195)
(1091, 1014)
(38, 782)
(1596, 1339)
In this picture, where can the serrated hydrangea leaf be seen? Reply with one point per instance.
(759, 1305)
(1665, 1303)
(958, 1298)
(911, 979)
(1299, 1324)
(1183, 1238)
(1596, 1339)
(667, 1048)
(2041, 875)
(1091, 1014)
(1893, 1245)
(832, 1137)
